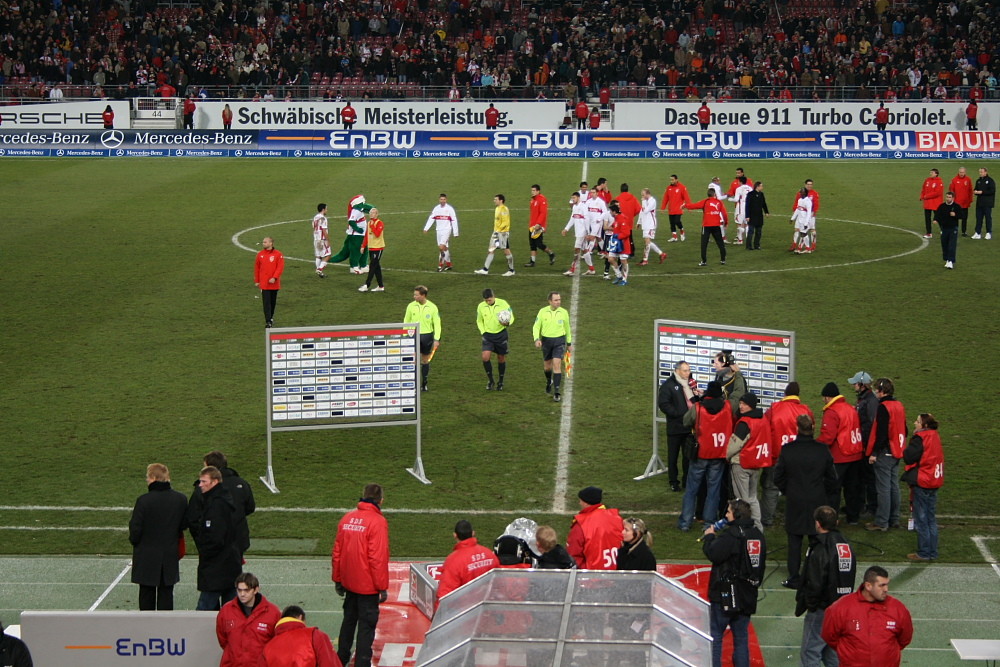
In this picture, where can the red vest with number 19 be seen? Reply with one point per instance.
(713, 432)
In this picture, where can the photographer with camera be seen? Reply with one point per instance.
(738, 554)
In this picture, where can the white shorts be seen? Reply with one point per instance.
(499, 241)
(322, 247)
(649, 233)
(443, 235)
(802, 226)
(581, 240)
(812, 222)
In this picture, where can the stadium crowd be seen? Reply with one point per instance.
(668, 49)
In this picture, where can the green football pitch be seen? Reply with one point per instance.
(134, 334)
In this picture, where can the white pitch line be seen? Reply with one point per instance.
(111, 587)
(980, 542)
(66, 528)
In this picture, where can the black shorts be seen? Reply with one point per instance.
(426, 343)
(496, 342)
(553, 348)
(537, 243)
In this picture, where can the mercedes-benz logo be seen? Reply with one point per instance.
(416, 153)
(596, 153)
(179, 152)
(536, 154)
(960, 155)
(716, 154)
(119, 152)
(60, 152)
(239, 153)
(897, 155)
(112, 138)
(357, 153)
(776, 154)
(656, 153)
(298, 153)
(475, 153)
(836, 154)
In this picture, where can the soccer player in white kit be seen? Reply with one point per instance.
(802, 219)
(597, 216)
(578, 223)
(647, 220)
(446, 221)
(321, 239)
(740, 213)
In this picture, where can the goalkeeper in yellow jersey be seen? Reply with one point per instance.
(500, 240)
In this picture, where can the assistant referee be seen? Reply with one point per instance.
(552, 335)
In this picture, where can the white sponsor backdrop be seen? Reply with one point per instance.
(64, 115)
(524, 115)
(796, 117)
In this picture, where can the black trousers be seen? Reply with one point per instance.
(794, 555)
(374, 267)
(675, 223)
(849, 481)
(715, 233)
(270, 299)
(928, 219)
(675, 449)
(361, 613)
(158, 598)
(753, 236)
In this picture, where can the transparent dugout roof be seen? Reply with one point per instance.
(569, 618)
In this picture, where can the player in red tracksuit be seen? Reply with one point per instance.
(713, 217)
(361, 573)
(674, 198)
(932, 196)
(961, 185)
(596, 532)
(295, 645)
(245, 623)
(868, 628)
(841, 432)
(467, 560)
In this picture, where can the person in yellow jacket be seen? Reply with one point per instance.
(493, 316)
(552, 336)
(424, 312)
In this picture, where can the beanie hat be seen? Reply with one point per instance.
(750, 399)
(830, 390)
(713, 390)
(591, 495)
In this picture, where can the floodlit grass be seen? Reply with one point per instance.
(133, 334)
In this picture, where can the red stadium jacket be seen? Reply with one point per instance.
(867, 634)
(704, 115)
(932, 193)
(539, 211)
(930, 473)
(348, 115)
(594, 538)
(269, 264)
(295, 645)
(673, 197)
(782, 416)
(882, 116)
(492, 115)
(629, 205)
(962, 187)
(713, 431)
(242, 637)
(841, 431)
(713, 212)
(897, 429)
(361, 551)
(467, 561)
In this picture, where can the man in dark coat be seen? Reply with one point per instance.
(674, 400)
(756, 208)
(238, 488)
(13, 651)
(156, 526)
(806, 476)
(213, 527)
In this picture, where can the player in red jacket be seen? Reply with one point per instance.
(713, 217)
(295, 645)
(596, 532)
(932, 196)
(961, 185)
(267, 269)
(868, 628)
(674, 198)
(361, 573)
(538, 222)
(245, 623)
(467, 560)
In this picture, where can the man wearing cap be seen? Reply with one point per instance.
(805, 474)
(749, 452)
(596, 532)
(841, 432)
(866, 405)
(711, 420)
(781, 418)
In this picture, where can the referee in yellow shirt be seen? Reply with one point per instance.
(500, 238)
(552, 335)
(426, 314)
(494, 334)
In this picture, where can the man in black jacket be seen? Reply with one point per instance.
(213, 527)
(756, 207)
(738, 555)
(241, 492)
(674, 399)
(155, 528)
(805, 474)
(986, 194)
(867, 406)
(947, 216)
(13, 651)
(828, 575)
